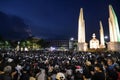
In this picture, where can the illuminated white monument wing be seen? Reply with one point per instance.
(114, 44)
(82, 45)
(113, 26)
(111, 31)
(102, 41)
(81, 27)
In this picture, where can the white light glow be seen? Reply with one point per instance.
(106, 37)
(71, 38)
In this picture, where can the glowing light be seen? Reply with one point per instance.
(52, 48)
(106, 37)
(71, 38)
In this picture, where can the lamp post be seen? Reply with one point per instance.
(71, 43)
(106, 37)
(18, 45)
(106, 40)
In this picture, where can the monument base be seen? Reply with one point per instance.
(102, 46)
(113, 46)
(82, 46)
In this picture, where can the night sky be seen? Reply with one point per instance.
(58, 19)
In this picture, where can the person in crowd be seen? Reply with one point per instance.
(69, 73)
(60, 75)
(78, 76)
(40, 75)
(98, 74)
(1, 66)
(32, 75)
(54, 73)
(25, 74)
(117, 68)
(7, 73)
(87, 71)
(111, 73)
(59, 65)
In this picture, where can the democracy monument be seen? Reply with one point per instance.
(114, 34)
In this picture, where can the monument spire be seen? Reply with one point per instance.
(82, 46)
(114, 44)
(81, 27)
(113, 26)
(102, 41)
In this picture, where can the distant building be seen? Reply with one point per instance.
(58, 43)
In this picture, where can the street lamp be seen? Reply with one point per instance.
(106, 40)
(71, 38)
(71, 43)
(18, 45)
(106, 37)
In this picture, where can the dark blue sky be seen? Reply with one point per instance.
(58, 19)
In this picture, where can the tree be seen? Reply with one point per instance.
(13, 44)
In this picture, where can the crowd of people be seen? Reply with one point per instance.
(58, 65)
